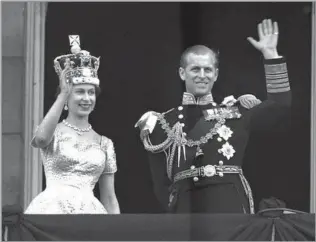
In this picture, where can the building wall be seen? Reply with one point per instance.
(13, 76)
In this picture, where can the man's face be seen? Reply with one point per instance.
(199, 74)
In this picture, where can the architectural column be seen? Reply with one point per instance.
(34, 95)
(313, 112)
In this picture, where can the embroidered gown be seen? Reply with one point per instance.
(189, 188)
(72, 168)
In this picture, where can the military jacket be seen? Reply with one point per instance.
(200, 133)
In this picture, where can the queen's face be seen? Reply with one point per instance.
(82, 99)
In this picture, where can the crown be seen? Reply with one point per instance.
(79, 67)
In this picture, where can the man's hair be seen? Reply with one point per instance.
(198, 50)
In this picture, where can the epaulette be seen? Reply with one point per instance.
(147, 121)
(248, 101)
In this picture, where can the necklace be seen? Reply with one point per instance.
(78, 130)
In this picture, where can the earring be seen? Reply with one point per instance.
(66, 107)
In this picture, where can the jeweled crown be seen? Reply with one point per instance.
(79, 67)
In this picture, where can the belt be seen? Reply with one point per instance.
(217, 170)
(206, 171)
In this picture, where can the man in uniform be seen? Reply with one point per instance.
(196, 149)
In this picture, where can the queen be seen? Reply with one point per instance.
(74, 156)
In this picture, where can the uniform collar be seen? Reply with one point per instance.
(189, 99)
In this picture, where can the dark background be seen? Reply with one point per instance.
(140, 46)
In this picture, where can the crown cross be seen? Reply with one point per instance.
(74, 40)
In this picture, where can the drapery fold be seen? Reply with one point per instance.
(141, 227)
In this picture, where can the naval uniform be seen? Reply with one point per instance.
(196, 149)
